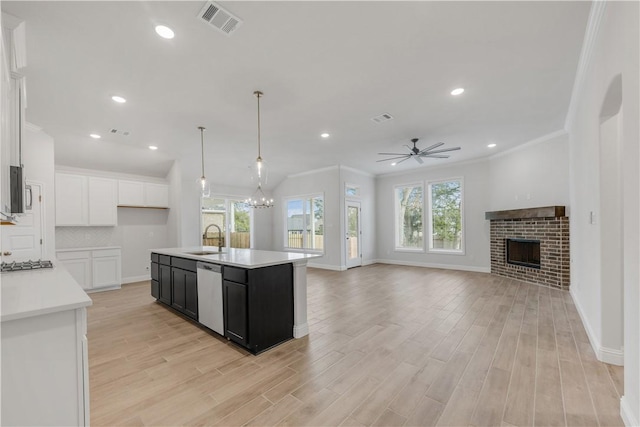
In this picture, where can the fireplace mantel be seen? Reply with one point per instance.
(544, 212)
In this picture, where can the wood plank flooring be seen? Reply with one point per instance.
(389, 345)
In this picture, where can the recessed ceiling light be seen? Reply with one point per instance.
(118, 99)
(491, 145)
(325, 135)
(393, 164)
(457, 91)
(165, 32)
(153, 147)
(95, 136)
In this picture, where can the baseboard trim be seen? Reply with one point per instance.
(134, 279)
(627, 416)
(432, 265)
(104, 289)
(300, 331)
(327, 267)
(611, 356)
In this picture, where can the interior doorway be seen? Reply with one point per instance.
(354, 234)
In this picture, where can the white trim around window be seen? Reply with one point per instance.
(429, 209)
(399, 246)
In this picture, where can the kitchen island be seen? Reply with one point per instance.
(45, 366)
(258, 298)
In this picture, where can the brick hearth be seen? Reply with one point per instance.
(550, 226)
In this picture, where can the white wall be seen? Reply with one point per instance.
(138, 231)
(611, 52)
(366, 183)
(38, 160)
(476, 188)
(532, 175)
(322, 181)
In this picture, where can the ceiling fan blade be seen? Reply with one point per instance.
(393, 154)
(436, 145)
(418, 159)
(435, 156)
(407, 158)
(393, 158)
(444, 150)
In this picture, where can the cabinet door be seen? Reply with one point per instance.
(235, 312)
(165, 284)
(80, 270)
(130, 193)
(103, 209)
(106, 272)
(191, 294)
(156, 195)
(72, 207)
(178, 285)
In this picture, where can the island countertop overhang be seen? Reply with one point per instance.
(245, 258)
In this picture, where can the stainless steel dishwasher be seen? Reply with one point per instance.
(210, 311)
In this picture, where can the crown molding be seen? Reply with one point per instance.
(313, 171)
(588, 45)
(358, 171)
(531, 143)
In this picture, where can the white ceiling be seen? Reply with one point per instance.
(323, 66)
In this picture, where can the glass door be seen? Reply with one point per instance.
(354, 235)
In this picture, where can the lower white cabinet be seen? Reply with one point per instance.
(94, 269)
(45, 370)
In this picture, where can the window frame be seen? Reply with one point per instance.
(304, 199)
(229, 221)
(430, 249)
(396, 206)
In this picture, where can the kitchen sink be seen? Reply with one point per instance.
(204, 253)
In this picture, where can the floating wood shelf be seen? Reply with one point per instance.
(544, 212)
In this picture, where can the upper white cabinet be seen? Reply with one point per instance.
(82, 200)
(72, 204)
(103, 196)
(156, 195)
(130, 193)
(143, 194)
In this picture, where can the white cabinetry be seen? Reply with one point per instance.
(94, 269)
(103, 194)
(82, 200)
(142, 194)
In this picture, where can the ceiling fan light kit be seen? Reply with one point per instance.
(417, 154)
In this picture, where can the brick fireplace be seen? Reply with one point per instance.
(525, 231)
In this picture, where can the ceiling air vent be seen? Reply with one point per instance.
(219, 18)
(382, 118)
(119, 132)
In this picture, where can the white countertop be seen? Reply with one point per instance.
(42, 291)
(246, 258)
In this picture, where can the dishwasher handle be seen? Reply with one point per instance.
(210, 267)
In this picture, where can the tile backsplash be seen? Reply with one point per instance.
(85, 237)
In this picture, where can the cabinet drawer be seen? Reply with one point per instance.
(164, 259)
(235, 274)
(154, 257)
(102, 253)
(73, 255)
(185, 264)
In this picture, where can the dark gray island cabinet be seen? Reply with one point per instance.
(257, 303)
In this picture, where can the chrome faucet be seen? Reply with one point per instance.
(204, 236)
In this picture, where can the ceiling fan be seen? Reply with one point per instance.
(418, 154)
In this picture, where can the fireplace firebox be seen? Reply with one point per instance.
(524, 252)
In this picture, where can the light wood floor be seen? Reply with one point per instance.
(389, 345)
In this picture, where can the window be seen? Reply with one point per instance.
(445, 216)
(409, 206)
(351, 190)
(232, 217)
(305, 223)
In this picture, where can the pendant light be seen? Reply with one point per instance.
(205, 187)
(259, 172)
